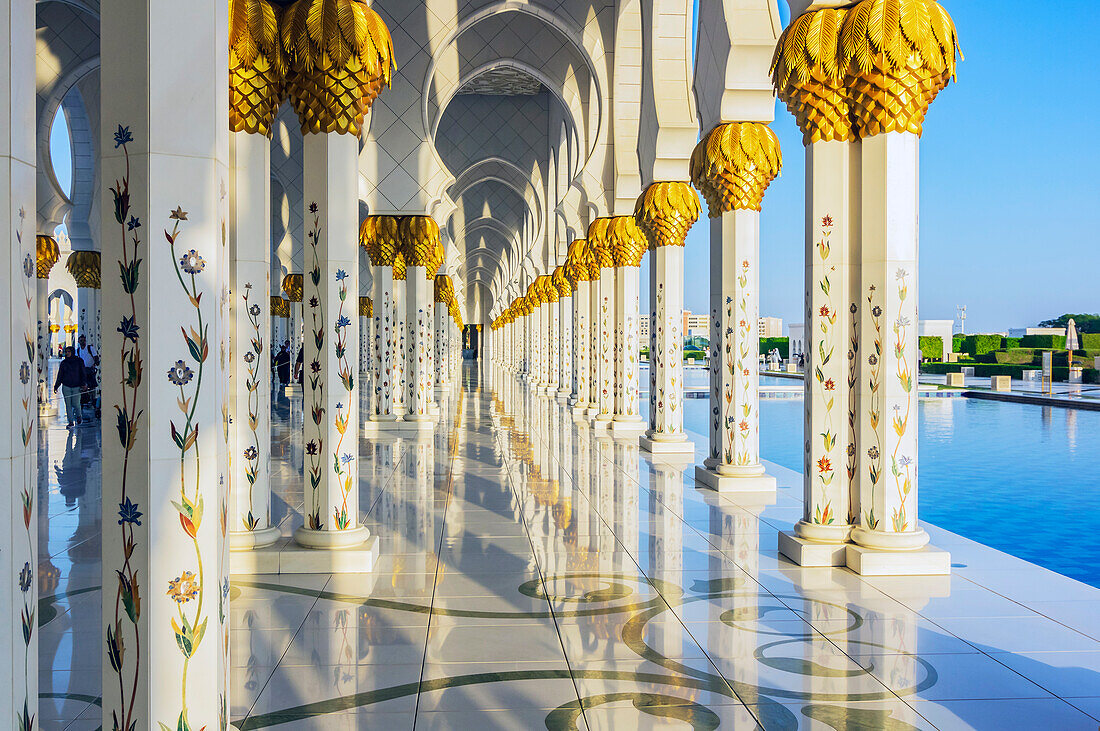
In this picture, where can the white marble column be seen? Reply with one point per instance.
(628, 246)
(379, 237)
(400, 336)
(552, 332)
(330, 294)
(47, 254)
(582, 313)
(444, 289)
(293, 287)
(166, 172)
(420, 236)
(84, 266)
(565, 334)
(19, 423)
(366, 357)
(604, 305)
(888, 536)
(735, 195)
(666, 211)
(250, 428)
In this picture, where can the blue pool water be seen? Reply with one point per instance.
(1023, 479)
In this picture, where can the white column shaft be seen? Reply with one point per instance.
(420, 367)
(385, 346)
(166, 298)
(553, 363)
(331, 299)
(18, 396)
(565, 346)
(400, 336)
(250, 427)
(582, 350)
(605, 331)
(627, 285)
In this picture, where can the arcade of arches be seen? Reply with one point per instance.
(436, 213)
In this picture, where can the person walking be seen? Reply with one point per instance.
(70, 379)
(282, 365)
(90, 356)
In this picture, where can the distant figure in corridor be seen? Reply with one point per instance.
(71, 380)
(282, 365)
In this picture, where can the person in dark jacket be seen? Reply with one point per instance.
(71, 380)
(282, 365)
(298, 368)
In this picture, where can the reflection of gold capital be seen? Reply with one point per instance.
(734, 164)
(292, 285)
(257, 66)
(599, 247)
(627, 241)
(366, 307)
(419, 237)
(808, 75)
(340, 56)
(84, 266)
(380, 237)
(898, 55)
(46, 254)
(666, 212)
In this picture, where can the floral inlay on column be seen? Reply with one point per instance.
(122, 630)
(27, 424)
(315, 447)
(253, 359)
(188, 586)
(826, 321)
(874, 403)
(340, 458)
(901, 463)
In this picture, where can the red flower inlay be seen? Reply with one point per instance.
(824, 465)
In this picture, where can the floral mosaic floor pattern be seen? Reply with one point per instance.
(535, 573)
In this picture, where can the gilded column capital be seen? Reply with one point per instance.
(531, 299)
(734, 164)
(46, 254)
(547, 291)
(340, 56)
(399, 268)
(379, 236)
(561, 282)
(599, 246)
(366, 306)
(897, 55)
(279, 306)
(257, 66)
(809, 76)
(444, 290)
(577, 260)
(84, 266)
(292, 285)
(419, 237)
(666, 211)
(439, 255)
(627, 241)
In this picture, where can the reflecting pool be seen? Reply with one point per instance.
(1023, 479)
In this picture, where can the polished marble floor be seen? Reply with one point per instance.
(538, 574)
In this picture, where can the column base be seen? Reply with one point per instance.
(580, 412)
(248, 540)
(654, 445)
(735, 485)
(811, 553)
(331, 539)
(925, 561)
(627, 428)
(370, 429)
(286, 557)
(563, 395)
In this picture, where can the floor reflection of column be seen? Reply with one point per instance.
(666, 551)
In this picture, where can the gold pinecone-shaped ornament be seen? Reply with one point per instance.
(808, 75)
(257, 66)
(666, 212)
(734, 164)
(340, 56)
(898, 55)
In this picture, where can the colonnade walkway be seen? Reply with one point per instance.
(535, 573)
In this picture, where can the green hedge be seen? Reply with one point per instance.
(1013, 343)
(981, 344)
(784, 345)
(931, 347)
(698, 354)
(1044, 342)
(984, 370)
(957, 344)
(1090, 341)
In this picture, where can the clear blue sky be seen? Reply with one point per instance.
(1010, 160)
